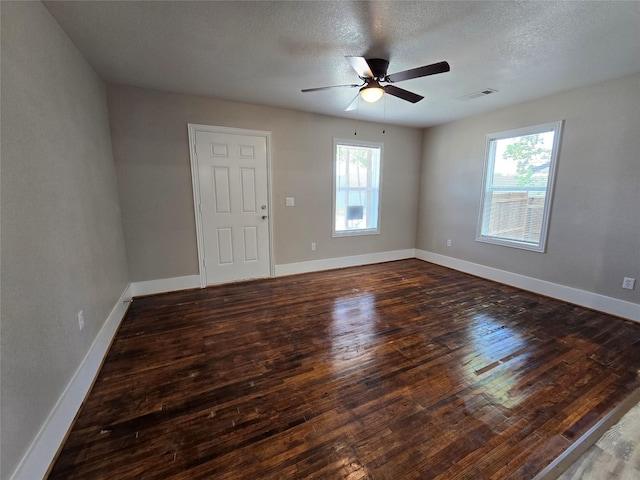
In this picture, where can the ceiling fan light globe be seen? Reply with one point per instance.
(371, 94)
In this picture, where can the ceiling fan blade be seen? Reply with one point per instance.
(440, 67)
(361, 66)
(351, 85)
(402, 93)
(354, 103)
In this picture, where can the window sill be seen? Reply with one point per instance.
(354, 233)
(533, 247)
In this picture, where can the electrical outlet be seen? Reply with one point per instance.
(448, 243)
(81, 319)
(313, 246)
(629, 283)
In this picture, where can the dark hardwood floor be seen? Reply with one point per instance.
(402, 370)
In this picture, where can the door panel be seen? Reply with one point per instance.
(232, 170)
(221, 189)
(225, 246)
(248, 190)
(250, 244)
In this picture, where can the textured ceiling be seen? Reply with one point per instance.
(265, 52)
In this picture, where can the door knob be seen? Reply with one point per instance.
(264, 217)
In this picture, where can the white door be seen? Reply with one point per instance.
(234, 209)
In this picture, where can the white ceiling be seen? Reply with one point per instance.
(265, 52)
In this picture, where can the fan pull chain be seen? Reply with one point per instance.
(357, 117)
(384, 115)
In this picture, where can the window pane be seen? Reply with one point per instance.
(518, 176)
(357, 186)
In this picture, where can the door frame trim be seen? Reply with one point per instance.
(195, 183)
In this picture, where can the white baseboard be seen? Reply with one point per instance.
(583, 298)
(342, 262)
(151, 287)
(42, 451)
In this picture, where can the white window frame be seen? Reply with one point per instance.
(488, 170)
(355, 143)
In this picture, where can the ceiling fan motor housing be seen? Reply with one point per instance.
(378, 67)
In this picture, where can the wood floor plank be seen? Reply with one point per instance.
(392, 371)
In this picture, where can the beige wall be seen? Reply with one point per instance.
(62, 242)
(150, 145)
(594, 232)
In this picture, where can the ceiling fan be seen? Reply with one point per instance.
(373, 72)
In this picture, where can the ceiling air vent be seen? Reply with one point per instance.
(482, 93)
